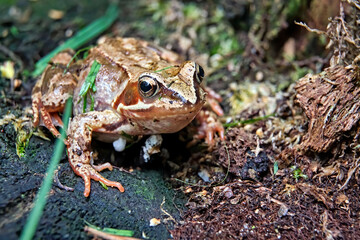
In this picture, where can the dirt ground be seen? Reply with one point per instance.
(289, 77)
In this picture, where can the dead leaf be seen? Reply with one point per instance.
(55, 14)
(328, 171)
(154, 222)
(318, 193)
(7, 69)
(341, 198)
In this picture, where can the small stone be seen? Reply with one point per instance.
(204, 174)
(120, 144)
(154, 222)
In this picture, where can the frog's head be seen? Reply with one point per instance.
(166, 100)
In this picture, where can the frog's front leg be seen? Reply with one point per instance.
(209, 122)
(209, 126)
(79, 145)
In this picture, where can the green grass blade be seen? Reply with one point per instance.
(248, 121)
(119, 232)
(83, 36)
(35, 214)
(90, 79)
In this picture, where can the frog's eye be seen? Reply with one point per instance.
(199, 74)
(148, 86)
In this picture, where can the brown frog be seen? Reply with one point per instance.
(139, 89)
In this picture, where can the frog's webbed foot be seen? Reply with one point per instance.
(80, 162)
(79, 150)
(88, 172)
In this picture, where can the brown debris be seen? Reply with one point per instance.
(309, 194)
(331, 101)
(343, 32)
(271, 210)
(247, 159)
(318, 193)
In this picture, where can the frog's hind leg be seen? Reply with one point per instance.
(51, 91)
(48, 121)
(36, 101)
(39, 111)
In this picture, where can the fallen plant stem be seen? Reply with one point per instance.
(97, 233)
(248, 121)
(35, 214)
(166, 213)
(108, 233)
(350, 173)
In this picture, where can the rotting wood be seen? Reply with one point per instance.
(331, 101)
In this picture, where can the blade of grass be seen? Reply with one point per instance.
(248, 121)
(83, 36)
(36, 212)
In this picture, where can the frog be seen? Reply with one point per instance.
(139, 89)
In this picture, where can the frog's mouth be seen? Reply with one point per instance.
(163, 112)
(169, 123)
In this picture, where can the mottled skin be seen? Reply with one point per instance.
(136, 94)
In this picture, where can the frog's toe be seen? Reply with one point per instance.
(48, 122)
(219, 129)
(215, 106)
(87, 172)
(97, 177)
(87, 182)
(211, 130)
(214, 99)
(102, 167)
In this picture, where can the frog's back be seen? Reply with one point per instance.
(110, 80)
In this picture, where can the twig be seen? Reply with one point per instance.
(350, 173)
(309, 29)
(166, 213)
(59, 184)
(355, 3)
(13, 57)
